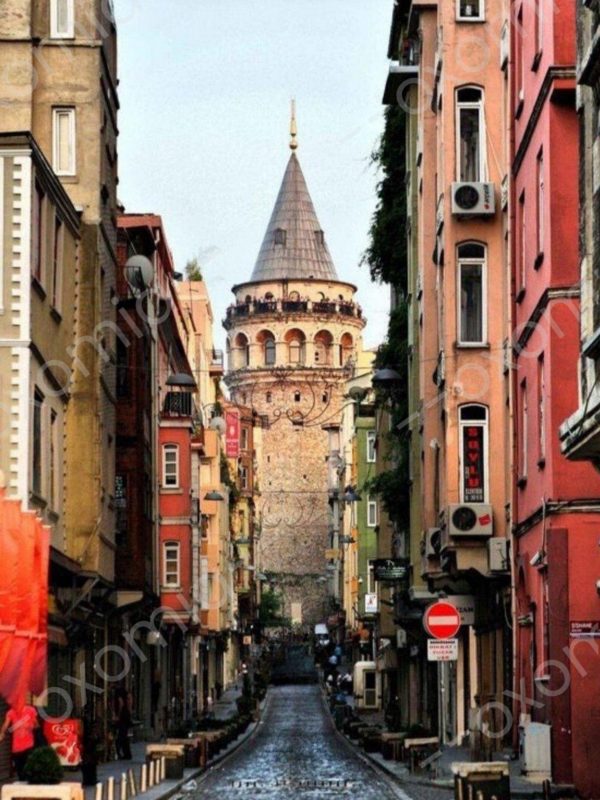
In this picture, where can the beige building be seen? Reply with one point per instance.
(293, 332)
(59, 83)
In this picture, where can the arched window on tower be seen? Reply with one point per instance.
(347, 347)
(324, 348)
(241, 351)
(296, 341)
(267, 342)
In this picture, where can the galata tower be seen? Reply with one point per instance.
(294, 331)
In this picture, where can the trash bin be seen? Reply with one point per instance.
(174, 758)
(483, 780)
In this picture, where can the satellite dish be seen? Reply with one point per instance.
(139, 273)
(217, 424)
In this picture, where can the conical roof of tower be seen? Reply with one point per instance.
(294, 246)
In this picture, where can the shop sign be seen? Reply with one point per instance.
(389, 569)
(465, 605)
(473, 464)
(585, 629)
(232, 433)
(371, 604)
(442, 649)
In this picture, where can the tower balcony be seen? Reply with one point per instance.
(284, 306)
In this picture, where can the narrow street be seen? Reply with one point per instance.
(295, 753)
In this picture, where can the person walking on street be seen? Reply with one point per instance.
(21, 724)
(123, 724)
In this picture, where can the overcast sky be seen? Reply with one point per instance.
(205, 88)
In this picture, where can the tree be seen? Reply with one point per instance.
(193, 272)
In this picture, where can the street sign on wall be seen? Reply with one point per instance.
(465, 604)
(442, 649)
(442, 620)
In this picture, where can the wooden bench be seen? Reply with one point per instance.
(417, 750)
(191, 749)
(174, 755)
(59, 791)
(391, 745)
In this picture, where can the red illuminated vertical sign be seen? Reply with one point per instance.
(232, 434)
(473, 464)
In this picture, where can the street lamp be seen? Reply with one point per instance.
(386, 379)
(216, 496)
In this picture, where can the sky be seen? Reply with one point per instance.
(205, 90)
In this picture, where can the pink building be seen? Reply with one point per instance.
(556, 513)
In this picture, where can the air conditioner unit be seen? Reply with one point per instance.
(473, 199)
(470, 519)
(432, 543)
(498, 555)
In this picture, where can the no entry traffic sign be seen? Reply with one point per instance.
(442, 620)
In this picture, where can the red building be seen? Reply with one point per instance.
(556, 512)
(156, 507)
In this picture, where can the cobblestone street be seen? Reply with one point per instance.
(296, 753)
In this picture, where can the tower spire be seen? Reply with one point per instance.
(293, 129)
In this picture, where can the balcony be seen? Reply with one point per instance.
(327, 308)
(178, 404)
(217, 363)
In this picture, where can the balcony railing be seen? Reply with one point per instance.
(286, 306)
(178, 404)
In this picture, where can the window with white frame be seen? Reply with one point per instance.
(244, 478)
(170, 466)
(472, 290)
(171, 564)
(470, 138)
(470, 10)
(62, 19)
(474, 466)
(371, 447)
(371, 512)
(63, 141)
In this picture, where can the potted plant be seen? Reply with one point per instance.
(43, 767)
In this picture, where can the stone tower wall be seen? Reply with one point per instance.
(296, 400)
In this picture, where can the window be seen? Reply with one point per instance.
(269, 397)
(522, 233)
(297, 397)
(62, 23)
(470, 141)
(38, 232)
(541, 380)
(524, 443)
(242, 355)
(122, 369)
(244, 442)
(473, 432)
(472, 310)
(469, 10)
(280, 236)
(269, 352)
(295, 352)
(36, 462)
(170, 466)
(519, 83)
(539, 31)
(57, 261)
(320, 237)
(171, 564)
(52, 462)
(244, 478)
(540, 207)
(63, 141)
(371, 513)
(371, 447)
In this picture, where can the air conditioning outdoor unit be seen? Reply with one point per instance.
(433, 543)
(470, 519)
(498, 555)
(473, 199)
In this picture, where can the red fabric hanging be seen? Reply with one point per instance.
(24, 554)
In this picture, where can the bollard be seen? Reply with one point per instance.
(98, 792)
(123, 786)
(144, 778)
(131, 780)
(151, 771)
(546, 789)
(163, 767)
(111, 789)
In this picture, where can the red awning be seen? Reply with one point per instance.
(24, 555)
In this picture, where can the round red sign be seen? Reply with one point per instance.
(442, 620)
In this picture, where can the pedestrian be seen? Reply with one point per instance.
(123, 724)
(21, 724)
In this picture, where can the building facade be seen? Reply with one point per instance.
(457, 104)
(291, 332)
